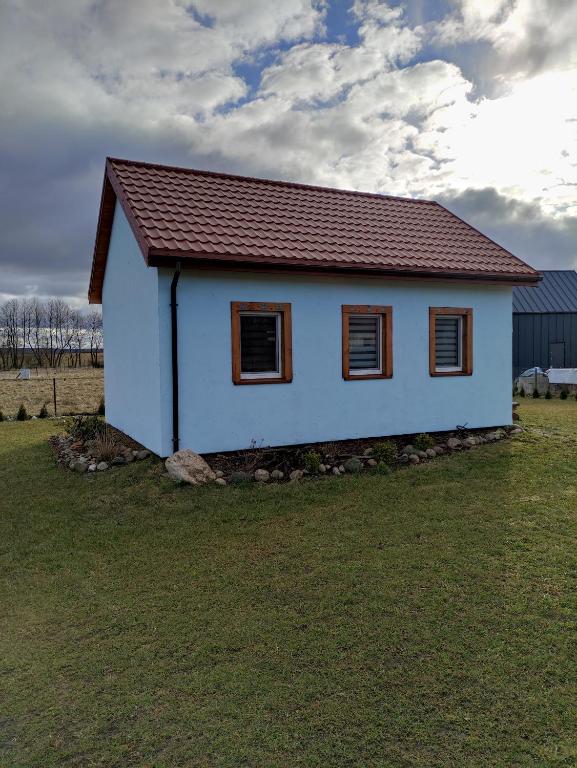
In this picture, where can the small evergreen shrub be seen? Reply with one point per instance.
(563, 394)
(423, 441)
(43, 414)
(536, 393)
(548, 394)
(383, 469)
(22, 414)
(385, 452)
(85, 427)
(312, 462)
(100, 411)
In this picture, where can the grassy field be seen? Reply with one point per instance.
(77, 390)
(426, 619)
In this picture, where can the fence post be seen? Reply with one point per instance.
(54, 394)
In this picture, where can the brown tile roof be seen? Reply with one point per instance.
(205, 218)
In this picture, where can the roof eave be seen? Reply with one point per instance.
(199, 260)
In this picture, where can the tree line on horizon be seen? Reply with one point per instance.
(48, 334)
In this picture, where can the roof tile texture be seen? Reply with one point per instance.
(188, 213)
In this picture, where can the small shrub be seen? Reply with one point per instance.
(563, 394)
(312, 462)
(382, 468)
(84, 427)
(423, 441)
(22, 414)
(548, 394)
(43, 413)
(536, 393)
(105, 445)
(385, 452)
(521, 392)
(100, 411)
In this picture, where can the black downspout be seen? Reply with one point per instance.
(174, 330)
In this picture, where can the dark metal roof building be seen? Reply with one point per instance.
(545, 322)
(557, 292)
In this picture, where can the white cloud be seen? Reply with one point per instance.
(320, 71)
(528, 36)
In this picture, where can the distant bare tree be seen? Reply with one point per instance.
(37, 340)
(47, 333)
(10, 323)
(94, 333)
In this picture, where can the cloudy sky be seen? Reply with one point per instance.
(470, 102)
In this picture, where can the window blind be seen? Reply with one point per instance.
(364, 342)
(259, 343)
(447, 341)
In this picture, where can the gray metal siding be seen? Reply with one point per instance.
(533, 335)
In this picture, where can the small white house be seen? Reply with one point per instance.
(241, 312)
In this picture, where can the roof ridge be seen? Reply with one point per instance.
(276, 182)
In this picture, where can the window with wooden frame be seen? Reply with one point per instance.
(261, 343)
(450, 341)
(367, 341)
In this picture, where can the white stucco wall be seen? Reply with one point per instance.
(318, 405)
(133, 377)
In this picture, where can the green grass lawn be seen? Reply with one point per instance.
(428, 618)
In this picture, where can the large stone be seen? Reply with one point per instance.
(353, 465)
(220, 481)
(430, 453)
(453, 444)
(413, 458)
(186, 466)
(296, 474)
(470, 442)
(262, 475)
(101, 466)
(277, 474)
(372, 463)
(80, 466)
(144, 454)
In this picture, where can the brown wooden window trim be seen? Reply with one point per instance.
(386, 314)
(466, 340)
(237, 307)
